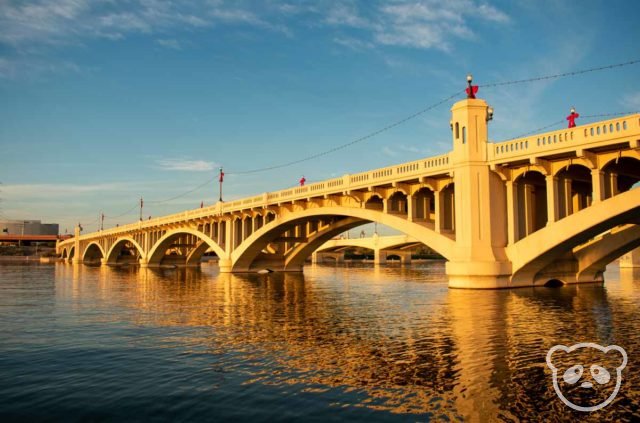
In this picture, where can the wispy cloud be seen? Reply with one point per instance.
(31, 29)
(170, 43)
(422, 24)
(185, 165)
(631, 101)
(353, 43)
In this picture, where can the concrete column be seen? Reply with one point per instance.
(438, 211)
(385, 205)
(512, 212)
(147, 244)
(552, 199)
(568, 200)
(631, 259)
(77, 254)
(613, 184)
(529, 213)
(379, 256)
(427, 208)
(228, 236)
(411, 208)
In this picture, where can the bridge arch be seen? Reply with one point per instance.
(159, 249)
(575, 189)
(246, 252)
(116, 249)
(593, 258)
(620, 174)
(531, 202)
(531, 255)
(397, 202)
(93, 252)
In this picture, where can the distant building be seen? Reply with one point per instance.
(27, 227)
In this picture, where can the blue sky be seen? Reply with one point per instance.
(104, 101)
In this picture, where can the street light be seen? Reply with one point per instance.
(489, 113)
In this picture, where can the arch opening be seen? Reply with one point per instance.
(447, 209)
(374, 203)
(575, 189)
(554, 283)
(620, 175)
(397, 203)
(124, 251)
(182, 247)
(531, 203)
(423, 203)
(93, 254)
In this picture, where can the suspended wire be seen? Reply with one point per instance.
(564, 120)
(398, 123)
(184, 193)
(357, 140)
(559, 75)
(123, 214)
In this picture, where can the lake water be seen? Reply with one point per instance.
(358, 343)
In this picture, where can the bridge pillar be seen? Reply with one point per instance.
(379, 256)
(597, 182)
(478, 259)
(631, 259)
(552, 199)
(77, 254)
(225, 265)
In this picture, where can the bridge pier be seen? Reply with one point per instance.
(631, 259)
(379, 256)
(478, 259)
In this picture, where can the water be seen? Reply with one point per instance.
(355, 343)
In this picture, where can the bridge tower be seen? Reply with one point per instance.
(479, 259)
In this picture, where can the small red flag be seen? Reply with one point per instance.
(221, 176)
(572, 119)
(471, 93)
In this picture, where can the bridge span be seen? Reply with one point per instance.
(382, 246)
(521, 212)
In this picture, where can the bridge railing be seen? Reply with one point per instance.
(583, 135)
(423, 167)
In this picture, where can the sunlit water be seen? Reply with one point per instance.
(354, 343)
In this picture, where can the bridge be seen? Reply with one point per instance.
(546, 208)
(382, 246)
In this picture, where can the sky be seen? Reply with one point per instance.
(106, 101)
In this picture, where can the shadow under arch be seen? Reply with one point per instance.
(116, 249)
(250, 248)
(532, 254)
(594, 257)
(158, 250)
(93, 252)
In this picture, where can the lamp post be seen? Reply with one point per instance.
(471, 89)
(220, 180)
(489, 113)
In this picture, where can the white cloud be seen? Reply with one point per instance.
(353, 43)
(631, 101)
(170, 43)
(389, 152)
(186, 165)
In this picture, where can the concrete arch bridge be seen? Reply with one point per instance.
(383, 247)
(522, 212)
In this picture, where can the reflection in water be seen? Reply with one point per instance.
(389, 342)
